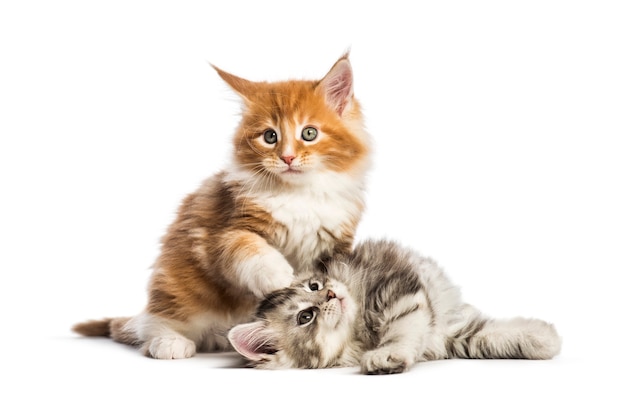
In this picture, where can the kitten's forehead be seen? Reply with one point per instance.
(307, 278)
(285, 104)
(289, 298)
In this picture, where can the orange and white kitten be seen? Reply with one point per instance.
(291, 198)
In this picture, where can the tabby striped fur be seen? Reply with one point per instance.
(383, 308)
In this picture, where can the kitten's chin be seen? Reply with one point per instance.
(291, 172)
(292, 176)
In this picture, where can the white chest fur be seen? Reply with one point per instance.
(313, 216)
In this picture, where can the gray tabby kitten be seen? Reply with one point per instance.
(384, 307)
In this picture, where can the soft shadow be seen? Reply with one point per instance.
(225, 360)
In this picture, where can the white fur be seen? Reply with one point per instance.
(330, 201)
(349, 307)
(537, 337)
(170, 347)
(159, 337)
(321, 204)
(170, 339)
(264, 273)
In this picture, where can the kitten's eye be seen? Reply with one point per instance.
(270, 136)
(309, 133)
(306, 316)
(315, 286)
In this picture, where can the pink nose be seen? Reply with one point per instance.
(288, 159)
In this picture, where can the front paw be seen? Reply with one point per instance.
(270, 272)
(384, 361)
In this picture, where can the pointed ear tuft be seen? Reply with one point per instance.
(242, 86)
(252, 340)
(337, 85)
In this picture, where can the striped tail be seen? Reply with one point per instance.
(477, 337)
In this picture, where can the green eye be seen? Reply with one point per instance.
(270, 136)
(309, 133)
(306, 316)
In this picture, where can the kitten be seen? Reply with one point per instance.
(291, 197)
(383, 308)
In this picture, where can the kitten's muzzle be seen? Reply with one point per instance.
(330, 295)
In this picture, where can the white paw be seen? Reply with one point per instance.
(276, 274)
(265, 273)
(171, 347)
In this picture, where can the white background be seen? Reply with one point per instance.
(499, 130)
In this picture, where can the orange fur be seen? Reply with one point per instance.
(249, 228)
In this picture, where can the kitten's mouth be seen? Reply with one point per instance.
(340, 308)
(291, 170)
(343, 304)
(340, 301)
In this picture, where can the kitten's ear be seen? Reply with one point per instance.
(242, 86)
(252, 340)
(337, 85)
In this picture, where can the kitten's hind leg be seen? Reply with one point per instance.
(156, 336)
(517, 338)
(161, 339)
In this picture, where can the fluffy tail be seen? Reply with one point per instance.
(477, 337)
(114, 328)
